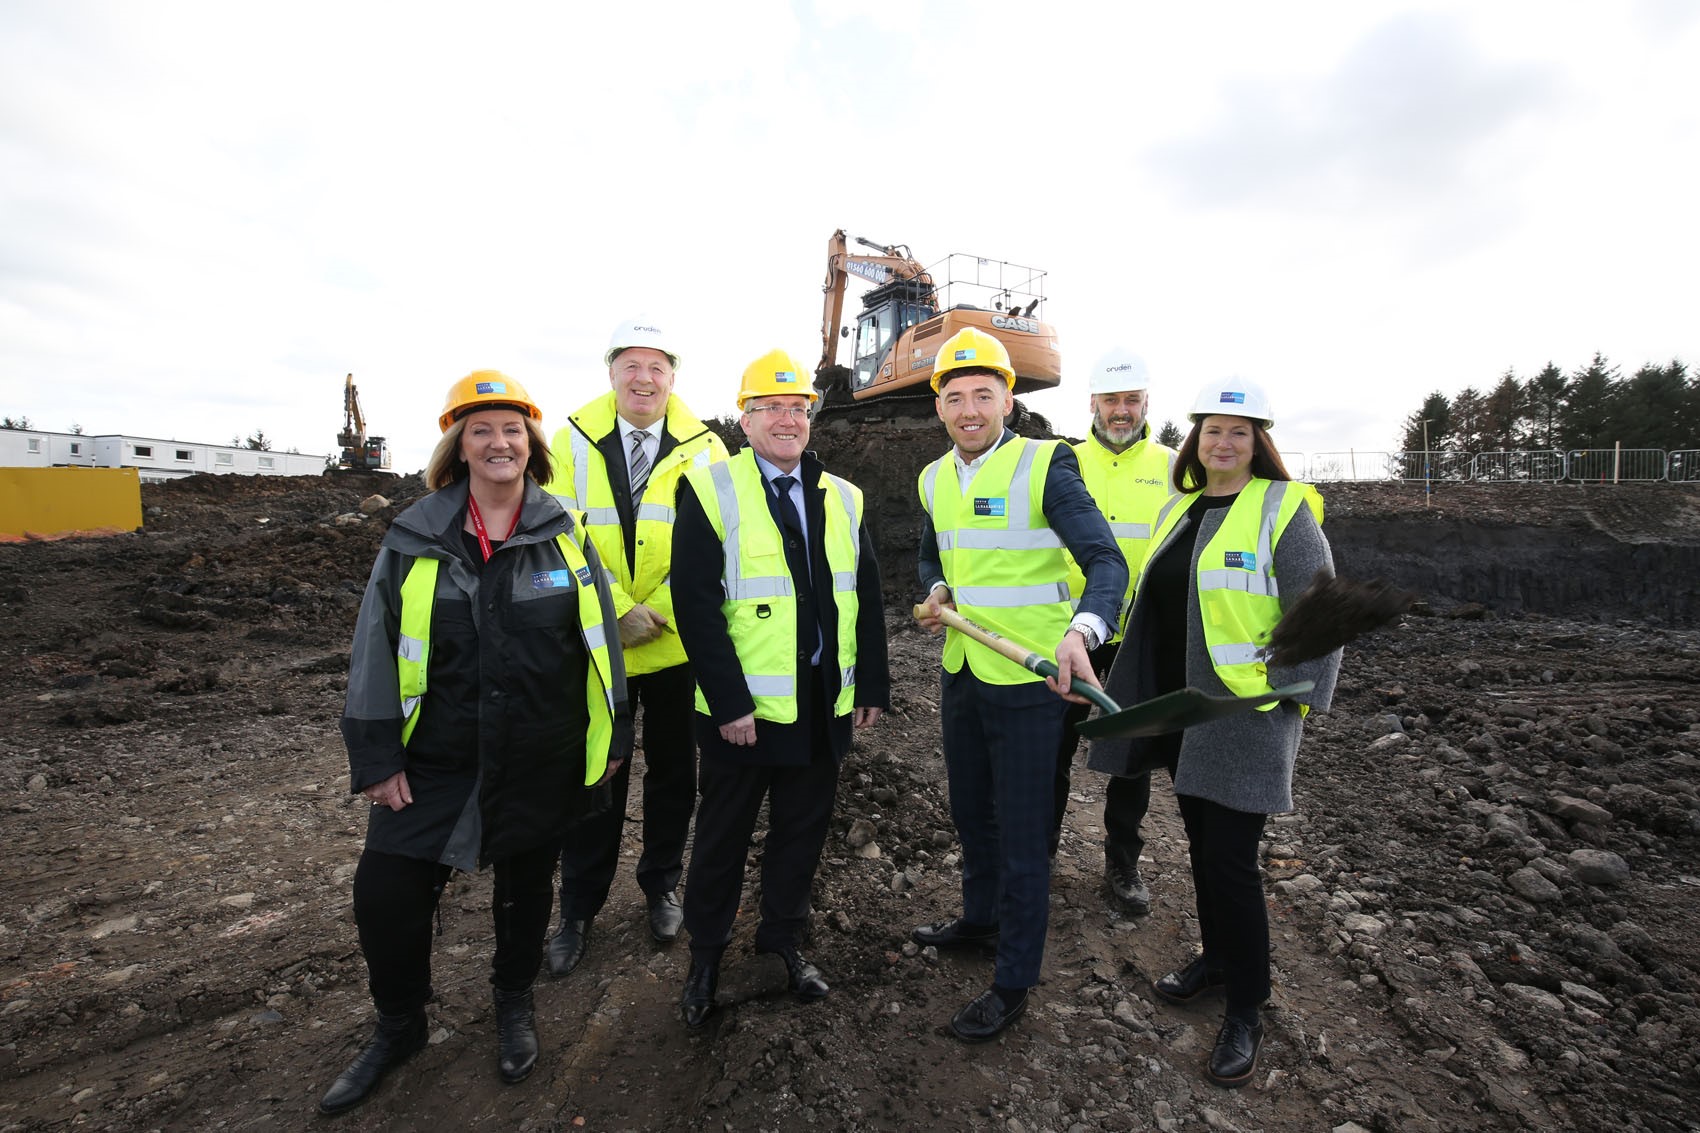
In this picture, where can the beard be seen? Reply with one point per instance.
(1117, 436)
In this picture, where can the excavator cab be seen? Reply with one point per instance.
(883, 323)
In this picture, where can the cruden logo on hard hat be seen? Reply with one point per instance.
(1121, 369)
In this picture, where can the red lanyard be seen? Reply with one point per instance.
(478, 525)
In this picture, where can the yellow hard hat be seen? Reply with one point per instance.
(486, 389)
(776, 372)
(972, 349)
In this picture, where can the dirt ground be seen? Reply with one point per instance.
(1485, 908)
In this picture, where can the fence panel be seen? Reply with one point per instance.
(1349, 466)
(1429, 465)
(1528, 467)
(1683, 466)
(1615, 466)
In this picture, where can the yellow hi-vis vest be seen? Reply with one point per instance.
(761, 600)
(1004, 565)
(1238, 599)
(1129, 487)
(413, 652)
(581, 483)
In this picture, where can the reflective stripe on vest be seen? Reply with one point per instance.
(413, 652)
(760, 603)
(1004, 565)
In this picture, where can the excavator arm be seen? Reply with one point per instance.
(353, 433)
(893, 262)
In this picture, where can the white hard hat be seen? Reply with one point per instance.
(1235, 397)
(641, 331)
(1118, 370)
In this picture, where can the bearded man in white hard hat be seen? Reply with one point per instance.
(619, 459)
(1128, 473)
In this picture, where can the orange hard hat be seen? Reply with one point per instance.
(486, 389)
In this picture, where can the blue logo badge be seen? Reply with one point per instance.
(993, 505)
(491, 387)
(965, 355)
(1245, 560)
(785, 376)
(550, 579)
(1231, 398)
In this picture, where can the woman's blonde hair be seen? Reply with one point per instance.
(446, 466)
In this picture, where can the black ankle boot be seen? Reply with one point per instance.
(516, 1035)
(396, 1038)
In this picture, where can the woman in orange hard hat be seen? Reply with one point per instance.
(486, 700)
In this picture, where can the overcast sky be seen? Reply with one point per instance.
(210, 212)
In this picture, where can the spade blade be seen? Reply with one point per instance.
(1175, 711)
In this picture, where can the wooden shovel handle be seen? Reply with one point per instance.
(1033, 662)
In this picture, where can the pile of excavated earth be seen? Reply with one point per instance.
(1485, 909)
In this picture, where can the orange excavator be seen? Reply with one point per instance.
(360, 453)
(910, 310)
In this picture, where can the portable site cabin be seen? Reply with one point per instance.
(153, 458)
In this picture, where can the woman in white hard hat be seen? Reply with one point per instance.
(486, 695)
(1240, 538)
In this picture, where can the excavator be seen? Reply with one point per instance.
(910, 310)
(360, 453)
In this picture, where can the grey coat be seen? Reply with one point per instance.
(1244, 762)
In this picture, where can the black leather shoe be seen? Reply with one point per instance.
(516, 1035)
(802, 977)
(1234, 1059)
(396, 1039)
(665, 917)
(956, 933)
(1188, 983)
(566, 947)
(985, 1017)
(700, 982)
(1121, 872)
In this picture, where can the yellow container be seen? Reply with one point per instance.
(46, 502)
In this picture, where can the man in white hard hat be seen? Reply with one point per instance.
(619, 459)
(779, 604)
(1128, 474)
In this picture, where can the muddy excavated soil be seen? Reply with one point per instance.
(1485, 910)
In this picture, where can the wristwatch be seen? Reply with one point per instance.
(1087, 636)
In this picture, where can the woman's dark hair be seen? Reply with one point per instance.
(1266, 463)
(445, 466)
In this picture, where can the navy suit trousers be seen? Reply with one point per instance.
(1000, 744)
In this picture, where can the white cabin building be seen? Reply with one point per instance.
(152, 457)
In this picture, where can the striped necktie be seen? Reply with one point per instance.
(640, 464)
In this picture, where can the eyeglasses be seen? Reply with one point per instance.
(781, 412)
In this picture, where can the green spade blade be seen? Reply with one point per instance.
(1175, 711)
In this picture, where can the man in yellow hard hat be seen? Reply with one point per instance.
(1000, 512)
(1128, 474)
(619, 459)
(777, 592)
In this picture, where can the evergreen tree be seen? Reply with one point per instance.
(15, 423)
(1585, 417)
(1652, 408)
(1503, 422)
(1437, 411)
(1170, 434)
(258, 441)
(1543, 400)
(1468, 421)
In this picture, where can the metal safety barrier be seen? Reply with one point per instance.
(1615, 465)
(1682, 466)
(1523, 467)
(1429, 465)
(1348, 466)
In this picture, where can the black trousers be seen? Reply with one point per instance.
(591, 855)
(395, 898)
(799, 801)
(1126, 801)
(1233, 918)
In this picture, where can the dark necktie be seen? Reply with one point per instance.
(640, 464)
(787, 509)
